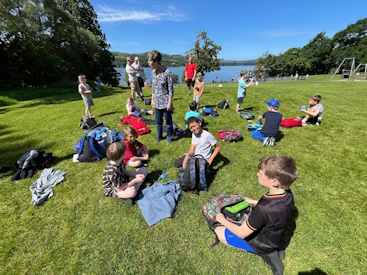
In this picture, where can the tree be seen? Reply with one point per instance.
(175, 79)
(205, 53)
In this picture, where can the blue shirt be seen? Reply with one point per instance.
(162, 88)
(241, 88)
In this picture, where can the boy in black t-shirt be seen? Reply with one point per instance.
(264, 230)
(270, 129)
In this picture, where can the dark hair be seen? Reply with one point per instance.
(282, 168)
(116, 150)
(155, 56)
(191, 120)
(316, 98)
(193, 105)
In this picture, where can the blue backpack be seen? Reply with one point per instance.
(195, 176)
(207, 111)
(89, 150)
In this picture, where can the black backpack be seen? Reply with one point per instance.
(223, 104)
(87, 122)
(89, 150)
(147, 101)
(195, 176)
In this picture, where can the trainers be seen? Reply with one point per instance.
(169, 142)
(272, 141)
(266, 141)
(130, 202)
(157, 140)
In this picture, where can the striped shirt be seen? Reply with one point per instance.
(113, 177)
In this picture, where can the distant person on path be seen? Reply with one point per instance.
(190, 73)
(162, 93)
(314, 112)
(86, 93)
(241, 92)
(98, 80)
(117, 181)
(198, 89)
(131, 72)
(139, 76)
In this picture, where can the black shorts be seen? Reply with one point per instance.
(190, 82)
(240, 100)
(141, 82)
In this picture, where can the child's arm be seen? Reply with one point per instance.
(251, 201)
(143, 154)
(215, 153)
(202, 89)
(312, 112)
(189, 154)
(260, 119)
(251, 81)
(241, 231)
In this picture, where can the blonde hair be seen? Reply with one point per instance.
(116, 150)
(282, 168)
(129, 131)
(82, 76)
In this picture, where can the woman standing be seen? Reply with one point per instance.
(162, 93)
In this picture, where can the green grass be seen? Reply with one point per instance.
(79, 230)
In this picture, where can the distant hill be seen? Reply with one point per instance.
(170, 60)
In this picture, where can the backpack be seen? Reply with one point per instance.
(291, 122)
(207, 111)
(234, 208)
(147, 101)
(223, 104)
(89, 149)
(102, 134)
(87, 122)
(195, 176)
(247, 114)
(229, 135)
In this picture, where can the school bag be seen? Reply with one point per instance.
(87, 122)
(291, 122)
(247, 114)
(89, 149)
(147, 101)
(223, 104)
(102, 134)
(234, 208)
(209, 111)
(195, 176)
(229, 135)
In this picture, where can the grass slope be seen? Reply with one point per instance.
(79, 230)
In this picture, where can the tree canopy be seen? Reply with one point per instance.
(49, 41)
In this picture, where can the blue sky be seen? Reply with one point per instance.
(244, 29)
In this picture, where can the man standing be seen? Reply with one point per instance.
(131, 72)
(190, 73)
(139, 76)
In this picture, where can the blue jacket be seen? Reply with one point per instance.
(158, 201)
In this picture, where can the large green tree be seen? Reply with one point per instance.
(205, 53)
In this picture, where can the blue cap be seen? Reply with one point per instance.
(273, 102)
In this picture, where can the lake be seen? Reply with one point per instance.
(225, 74)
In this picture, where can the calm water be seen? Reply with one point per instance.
(225, 74)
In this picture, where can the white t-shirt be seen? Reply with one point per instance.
(203, 144)
(132, 108)
(129, 69)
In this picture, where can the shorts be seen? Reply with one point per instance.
(134, 87)
(88, 103)
(197, 99)
(237, 242)
(141, 82)
(190, 82)
(240, 100)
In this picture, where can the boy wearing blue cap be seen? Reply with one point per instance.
(270, 129)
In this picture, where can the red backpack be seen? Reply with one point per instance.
(229, 135)
(291, 122)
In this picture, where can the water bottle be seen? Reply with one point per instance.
(164, 175)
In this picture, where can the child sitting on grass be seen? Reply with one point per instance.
(193, 113)
(117, 181)
(132, 108)
(264, 230)
(270, 129)
(314, 111)
(202, 142)
(86, 93)
(136, 152)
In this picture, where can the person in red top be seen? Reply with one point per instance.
(136, 152)
(190, 73)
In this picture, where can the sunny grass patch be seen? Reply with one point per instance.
(81, 231)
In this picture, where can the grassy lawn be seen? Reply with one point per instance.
(79, 230)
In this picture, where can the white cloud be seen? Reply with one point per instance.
(169, 13)
(285, 33)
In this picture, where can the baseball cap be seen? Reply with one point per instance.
(128, 58)
(273, 102)
(199, 75)
(136, 58)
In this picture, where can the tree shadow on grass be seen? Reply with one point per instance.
(152, 177)
(315, 271)
(153, 152)
(107, 114)
(57, 159)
